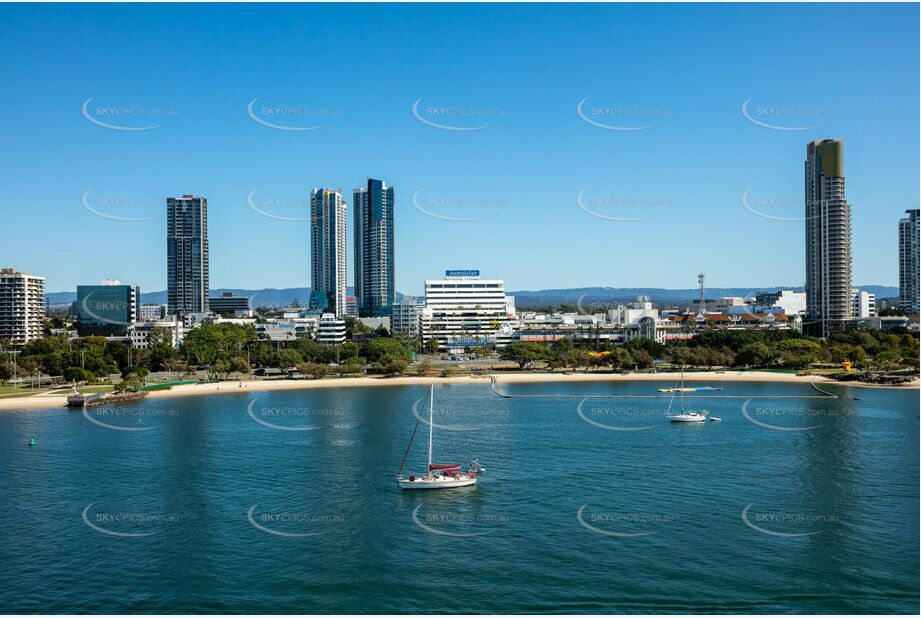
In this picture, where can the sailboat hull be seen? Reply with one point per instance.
(436, 483)
(686, 418)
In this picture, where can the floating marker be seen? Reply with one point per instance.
(32, 442)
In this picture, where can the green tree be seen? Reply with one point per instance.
(888, 360)
(620, 359)
(177, 366)
(352, 366)
(384, 350)
(525, 353)
(641, 358)
(287, 358)
(140, 372)
(799, 353)
(394, 366)
(581, 359)
(130, 384)
(756, 354)
(238, 364)
(77, 374)
(313, 370)
(218, 370)
(425, 367)
(353, 325)
(208, 343)
(654, 349)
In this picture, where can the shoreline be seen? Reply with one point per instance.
(232, 386)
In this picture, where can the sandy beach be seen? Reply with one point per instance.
(42, 401)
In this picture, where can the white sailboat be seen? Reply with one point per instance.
(439, 476)
(685, 416)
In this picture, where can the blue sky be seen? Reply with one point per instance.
(519, 72)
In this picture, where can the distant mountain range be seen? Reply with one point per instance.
(273, 297)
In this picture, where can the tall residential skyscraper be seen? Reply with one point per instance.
(187, 283)
(374, 273)
(328, 269)
(908, 262)
(828, 238)
(22, 307)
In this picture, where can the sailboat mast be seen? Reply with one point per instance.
(682, 388)
(431, 419)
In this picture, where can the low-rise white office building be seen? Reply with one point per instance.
(331, 330)
(787, 302)
(406, 316)
(630, 315)
(140, 332)
(293, 325)
(864, 304)
(151, 312)
(463, 311)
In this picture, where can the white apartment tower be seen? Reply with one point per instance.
(328, 267)
(863, 304)
(22, 307)
(405, 317)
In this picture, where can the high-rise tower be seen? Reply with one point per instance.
(908, 262)
(374, 267)
(187, 279)
(828, 238)
(328, 267)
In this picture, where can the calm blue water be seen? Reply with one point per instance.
(202, 508)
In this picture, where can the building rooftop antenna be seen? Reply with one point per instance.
(700, 283)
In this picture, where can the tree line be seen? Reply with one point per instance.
(217, 349)
(864, 349)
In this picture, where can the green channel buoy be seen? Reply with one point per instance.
(32, 442)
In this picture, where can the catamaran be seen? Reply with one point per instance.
(689, 416)
(438, 476)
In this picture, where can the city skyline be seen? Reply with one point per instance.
(506, 319)
(717, 172)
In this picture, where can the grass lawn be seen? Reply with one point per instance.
(101, 388)
(8, 392)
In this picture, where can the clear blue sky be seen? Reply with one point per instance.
(850, 69)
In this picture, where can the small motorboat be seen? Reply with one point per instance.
(715, 418)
